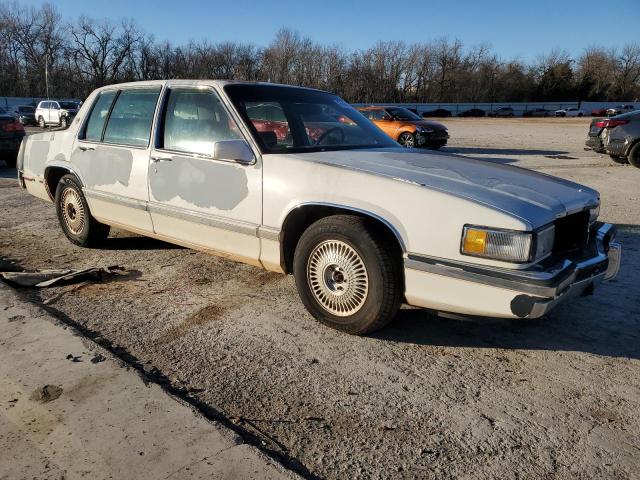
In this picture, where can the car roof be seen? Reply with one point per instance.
(196, 83)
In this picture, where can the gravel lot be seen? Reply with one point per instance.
(428, 397)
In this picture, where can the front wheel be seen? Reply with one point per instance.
(74, 216)
(64, 122)
(407, 139)
(41, 122)
(348, 274)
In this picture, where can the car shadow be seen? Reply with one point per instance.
(607, 323)
(502, 151)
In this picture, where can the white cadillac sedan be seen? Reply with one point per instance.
(294, 180)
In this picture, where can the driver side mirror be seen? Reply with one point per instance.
(237, 150)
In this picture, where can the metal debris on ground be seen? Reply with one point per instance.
(49, 278)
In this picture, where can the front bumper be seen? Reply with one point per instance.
(497, 292)
(436, 137)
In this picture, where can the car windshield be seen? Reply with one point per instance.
(68, 105)
(289, 120)
(403, 114)
(26, 109)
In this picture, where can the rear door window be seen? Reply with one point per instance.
(194, 120)
(131, 118)
(95, 125)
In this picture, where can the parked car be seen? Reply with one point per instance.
(361, 223)
(407, 128)
(611, 112)
(623, 138)
(570, 112)
(599, 112)
(25, 114)
(438, 112)
(472, 112)
(502, 112)
(51, 112)
(11, 135)
(537, 112)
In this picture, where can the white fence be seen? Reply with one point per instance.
(518, 108)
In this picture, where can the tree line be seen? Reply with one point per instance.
(87, 53)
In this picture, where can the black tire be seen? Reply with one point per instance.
(634, 155)
(64, 122)
(71, 206)
(382, 266)
(41, 122)
(618, 159)
(407, 139)
(581, 114)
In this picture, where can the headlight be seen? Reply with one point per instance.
(423, 129)
(593, 214)
(506, 245)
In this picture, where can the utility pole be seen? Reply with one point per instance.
(46, 73)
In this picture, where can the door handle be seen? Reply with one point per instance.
(161, 159)
(85, 148)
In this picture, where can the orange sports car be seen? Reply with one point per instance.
(406, 127)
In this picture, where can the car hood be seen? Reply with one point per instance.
(533, 197)
(428, 124)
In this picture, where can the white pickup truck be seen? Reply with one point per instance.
(295, 180)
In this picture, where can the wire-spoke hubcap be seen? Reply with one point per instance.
(73, 211)
(338, 278)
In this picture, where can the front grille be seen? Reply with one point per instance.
(572, 233)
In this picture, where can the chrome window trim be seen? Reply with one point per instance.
(199, 156)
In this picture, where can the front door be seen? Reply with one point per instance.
(200, 201)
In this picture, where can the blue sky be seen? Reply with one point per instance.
(516, 28)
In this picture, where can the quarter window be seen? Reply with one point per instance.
(131, 118)
(194, 120)
(95, 125)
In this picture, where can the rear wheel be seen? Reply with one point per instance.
(347, 275)
(407, 139)
(74, 216)
(634, 155)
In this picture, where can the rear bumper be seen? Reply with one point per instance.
(595, 144)
(496, 292)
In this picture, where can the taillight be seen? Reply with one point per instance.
(610, 123)
(13, 127)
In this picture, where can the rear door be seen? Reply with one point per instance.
(112, 156)
(198, 200)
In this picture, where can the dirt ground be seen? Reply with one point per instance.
(428, 397)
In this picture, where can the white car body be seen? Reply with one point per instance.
(570, 112)
(242, 210)
(50, 112)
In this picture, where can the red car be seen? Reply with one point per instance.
(599, 112)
